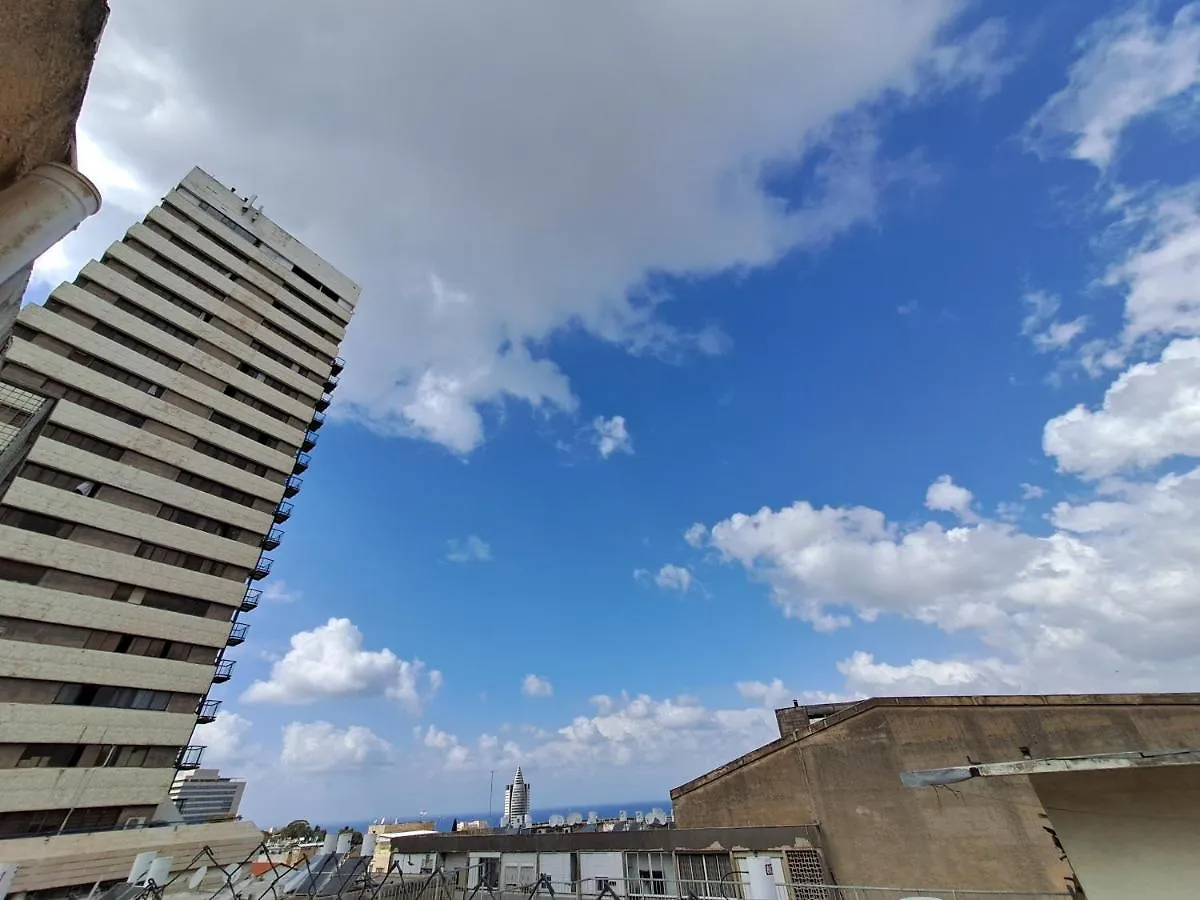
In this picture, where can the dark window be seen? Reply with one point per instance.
(200, 483)
(189, 606)
(233, 459)
(21, 572)
(83, 441)
(115, 372)
(218, 418)
(103, 407)
(171, 557)
(30, 521)
(199, 522)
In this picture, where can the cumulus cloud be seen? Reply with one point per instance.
(473, 549)
(772, 695)
(946, 496)
(329, 662)
(278, 591)
(611, 436)
(536, 686)
(322, 747)
(1129, 66)
(920, 677)
(493, 186)
(226, 740)
(1032, 491)
(696, 534)
(1149, 414)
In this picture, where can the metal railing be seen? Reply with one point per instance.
(262, 568)
(224, 671)
(206, 711)
(310, 440)
(292, 486)
(251, 599)
(189, 757)
(237, 634)
(283, 512)
(318, 419)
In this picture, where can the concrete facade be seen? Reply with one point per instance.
(188, 369)
(841, 771)
(202, 795)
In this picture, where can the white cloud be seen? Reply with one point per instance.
(611, 436)
(696, 534)
(473, 549)
(277, 591)
(1149, 414)
(1106, 599)
(920, 677)
(946, 496)
(322, 747)
(674, 578)
(536, 686)
(1040, 326)
(329, 662)
(771, 695)
(226, 740)
(525, 180)
(1129, 67)
(1032, 491)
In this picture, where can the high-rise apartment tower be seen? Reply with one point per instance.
(516, 802)
(189, 370)
(202, 795)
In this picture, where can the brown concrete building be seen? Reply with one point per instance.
(841, 771)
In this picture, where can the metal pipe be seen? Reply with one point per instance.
(38, 211)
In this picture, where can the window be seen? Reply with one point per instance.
(273, 383)
(294, 341)
(83, 441)
(244, 430)
(199, 522)
(188, 606)
(29, 521)
(806, 867)
(649, 875)
(115, 372)
(708, 875)
(137, 346)
(254, 403)
(518, 876)
(170, 557)
(158, 322)
(272, 354)
(48, 821)
(112, 697)
(228, 456)
(200, 483)
(62, 480)
(179, 272)
(102, 406)
(21, 572)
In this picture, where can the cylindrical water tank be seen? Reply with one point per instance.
(160, 870)
(38, 211)
(368, 845)
(343, 842)
(330, 841)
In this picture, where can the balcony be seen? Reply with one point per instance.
(273, 539)
(224, 671)
(207, 711)
(292, 487)
(283, 512)
(331, 382)
(250, 600)
(237, 634)
(189, 758)
(318, 419)
(310, 441)
(338, 365)
(303, 460)
(323, 403)
(261, 569)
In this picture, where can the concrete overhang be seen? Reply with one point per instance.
(1098, 762)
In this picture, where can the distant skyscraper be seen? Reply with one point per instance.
(516, 802)
(188, 371)
(202, 795)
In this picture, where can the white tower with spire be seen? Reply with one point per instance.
(516, 802)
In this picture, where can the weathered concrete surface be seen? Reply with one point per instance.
(46, 53)
(842, 772)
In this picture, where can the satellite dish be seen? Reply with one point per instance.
(557, 821)
(639, 816)
(196, 877)
(574, 819)
(592, 817)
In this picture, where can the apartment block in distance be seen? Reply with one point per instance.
(203, 795)
(189, 370)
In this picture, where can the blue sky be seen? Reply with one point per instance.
(705, 360)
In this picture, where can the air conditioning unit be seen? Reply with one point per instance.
(134, 822)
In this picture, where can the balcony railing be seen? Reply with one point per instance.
(338, 365)
(189, 758)
(237, 634)
(261, 569)
(250, 600)
(273, 539)
(292, 487)
(283, 512)
(224, 671)
(207, 711)
(301, 464)
(323, 403)
(318, 419)
(331, 382)
(310, 441)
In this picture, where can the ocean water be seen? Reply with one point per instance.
(540, 814)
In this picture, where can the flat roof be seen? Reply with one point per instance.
(1133, 759)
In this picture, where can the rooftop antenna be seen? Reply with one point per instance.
(491, 793)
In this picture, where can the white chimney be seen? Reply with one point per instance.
(343, 842)
(38, 211)
(141, 867)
